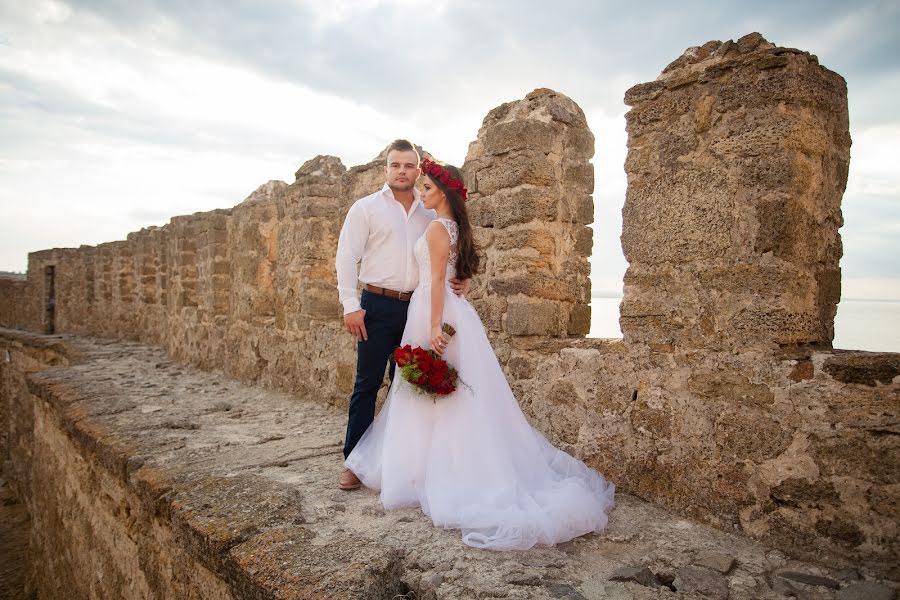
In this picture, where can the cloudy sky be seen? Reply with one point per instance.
(120, 114)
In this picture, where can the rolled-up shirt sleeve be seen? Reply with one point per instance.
(351, 245)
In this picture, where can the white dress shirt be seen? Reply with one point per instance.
(381, 234)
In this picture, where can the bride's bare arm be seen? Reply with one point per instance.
(439, 250)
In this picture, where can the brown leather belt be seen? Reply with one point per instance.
(405, 296)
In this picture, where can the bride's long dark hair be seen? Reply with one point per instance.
(467, 259)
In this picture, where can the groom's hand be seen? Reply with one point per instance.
(460, 287)
(356, 324)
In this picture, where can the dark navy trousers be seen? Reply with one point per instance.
(385, 319)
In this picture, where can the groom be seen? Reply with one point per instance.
(379, 232)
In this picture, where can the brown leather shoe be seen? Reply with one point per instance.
(349, 481)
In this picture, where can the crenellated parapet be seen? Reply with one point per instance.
(738, 156)
(530, 182)
(724, 400)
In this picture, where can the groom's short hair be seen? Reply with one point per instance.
(403, 146)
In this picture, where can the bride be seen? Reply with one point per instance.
(470, 460)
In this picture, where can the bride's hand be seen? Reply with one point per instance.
(460, 287)
(438, 341)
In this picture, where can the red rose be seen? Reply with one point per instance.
(444, 389)
(402, 355)
(429, 371)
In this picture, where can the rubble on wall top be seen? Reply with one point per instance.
(323, 164)
(750, 47)
(265, 192)
(542, 104)
(716, 58)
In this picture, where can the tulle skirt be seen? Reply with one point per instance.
(471, 460)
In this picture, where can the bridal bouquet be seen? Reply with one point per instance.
(425, 369)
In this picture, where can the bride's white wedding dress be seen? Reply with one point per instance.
(471, 460)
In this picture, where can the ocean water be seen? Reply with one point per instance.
(868, 325)
(872, 325)
(605, 318)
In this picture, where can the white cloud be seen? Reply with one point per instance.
(49, 11)
(216, 100)
(336, 12)
(118, 113)
(874, 288)
(873, 163)
(842, 31)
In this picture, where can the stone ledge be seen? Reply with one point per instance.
(865, 368)
(48, 349)
(241, 480)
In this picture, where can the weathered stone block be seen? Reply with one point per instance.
(576, 208)
(559, 107)
(317, 208)
(579, 176)
(584, 241)
(481, 211)
(534, 317)
(732, 385)
(870, 368)
(515, 169)
(491, 311)
(536, 237)
(852, 454)
(221, 267)
(520, 135)
(579, 320)
(522, 205)
(517, 261)
(800, 493)
(686, 218)
(578, 144)
(777, 324)
(536, 285)
(320, 302)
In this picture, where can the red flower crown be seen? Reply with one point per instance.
(439, 173)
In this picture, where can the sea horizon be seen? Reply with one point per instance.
(868, 324)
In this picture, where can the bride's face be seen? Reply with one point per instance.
(432, 195)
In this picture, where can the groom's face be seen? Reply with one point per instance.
(401, 170)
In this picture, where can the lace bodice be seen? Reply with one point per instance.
(423, 257)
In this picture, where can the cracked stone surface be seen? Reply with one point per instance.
(242, 480)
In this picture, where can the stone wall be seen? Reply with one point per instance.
(723, 401)
(15, 301)
(108, 522)
(252, 290)
(798, 449)
(737, 160)
(530, 180)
